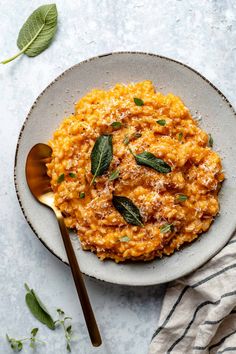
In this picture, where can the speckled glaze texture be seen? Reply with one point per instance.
(200, 34)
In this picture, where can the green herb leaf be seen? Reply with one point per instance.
(126, 140)
(72, 175)
(116, 125)
(210, 141)
(37, 32)
(161, 122)
(137, 135)
(60, 312)
(182, 197)
(82, 195)
(38, 309)
(180, 136)
(128, 210)
(148, 159)
(166, 228)
(101, 156)
(69, 329)
(61, 178)
(114, 175)
(15, 344)
(124, 239)
(138, 101)
(34, 331)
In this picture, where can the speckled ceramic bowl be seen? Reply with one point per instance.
(57, 100)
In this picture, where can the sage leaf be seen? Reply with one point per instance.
(148, 159)
(37, 32)
(126, 140)
(61, 178)
(166, 228)
(182, 197)
(38, 309)
(138, 101)
(60, 312)
(180, 136)
(128, 210)
(124, 239)
(114, 175)
(116, 125)
(15, 344)
(72, 175)
(161, 122)
(210, 140)
(101, 156)
(34, 331)
(82, 195)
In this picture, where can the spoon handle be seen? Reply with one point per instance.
(79, 283)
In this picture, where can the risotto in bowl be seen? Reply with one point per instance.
(133, 173)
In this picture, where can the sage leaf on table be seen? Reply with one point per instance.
(128, 210)
(148, 159)
(101, 156)
(38, 309)
(37, 32)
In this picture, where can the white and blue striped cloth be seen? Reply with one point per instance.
(198, 315)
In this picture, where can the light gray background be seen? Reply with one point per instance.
(202, 34)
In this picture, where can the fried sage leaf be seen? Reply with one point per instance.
(37, 32)
(128, 210)
(101, 156)
(148, 159)
(138, 101)
(38, 309)
(161, 122)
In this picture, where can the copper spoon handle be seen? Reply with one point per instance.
(79, 283)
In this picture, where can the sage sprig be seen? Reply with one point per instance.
(149, 160)
(67, 329)
(128, 210)
(124, 239)
(101, 156)
(18, 344)
(38, 309)
(37, 32)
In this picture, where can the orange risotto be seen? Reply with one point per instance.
(171, 207)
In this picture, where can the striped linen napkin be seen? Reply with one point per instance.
(198, 315)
